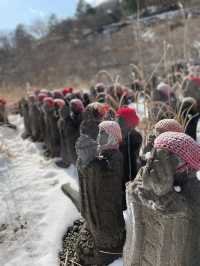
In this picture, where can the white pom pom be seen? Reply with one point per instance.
(177, 189)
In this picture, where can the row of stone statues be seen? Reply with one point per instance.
(162, 202)
(160, 225)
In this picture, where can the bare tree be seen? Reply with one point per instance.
(39, 28)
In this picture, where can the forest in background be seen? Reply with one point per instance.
(53, 53)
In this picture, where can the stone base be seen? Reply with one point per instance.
(79, 248)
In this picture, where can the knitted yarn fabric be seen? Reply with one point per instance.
(112, 128)
(195, 79)
(67, 91)
(182, 145)
(165, 125)
(130, 116)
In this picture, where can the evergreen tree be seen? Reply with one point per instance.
(130, 6)
(83, 8)
(52, 22)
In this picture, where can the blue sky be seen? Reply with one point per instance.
(13, 12)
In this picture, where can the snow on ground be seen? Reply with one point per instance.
(34, 213)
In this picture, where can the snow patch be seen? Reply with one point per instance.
(35, 213)
(148, 35)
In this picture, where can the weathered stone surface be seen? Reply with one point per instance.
(72, 194)
(162, 225)
(101, 206)
(52, 137)
(156, 237)
(100, 173)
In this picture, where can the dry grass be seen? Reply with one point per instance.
(171, 39)
(12, 94)
(138, 43)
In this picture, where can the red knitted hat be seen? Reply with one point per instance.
(49, 101)
(112, 128)
(195, 79)
(165, 125)
(106, 107)
(129, 114)
(182, 145)
(67, 91)
(59, 102)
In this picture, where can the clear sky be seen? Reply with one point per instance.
(13, 12)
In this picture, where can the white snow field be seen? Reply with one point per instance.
(34, 213)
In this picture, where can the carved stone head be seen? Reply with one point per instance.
(158, 174)
(109, 136)
(173, 152)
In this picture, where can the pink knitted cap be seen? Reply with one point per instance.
(182, 145)
(112, 128)
(165, 125)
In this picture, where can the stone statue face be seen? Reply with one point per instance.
(86, 149)
(102, 138)
(158, 174)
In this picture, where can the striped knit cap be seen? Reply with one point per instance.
(182, 145)
(165, 125)
(112, 128)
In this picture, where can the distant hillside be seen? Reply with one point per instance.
(74, 51)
